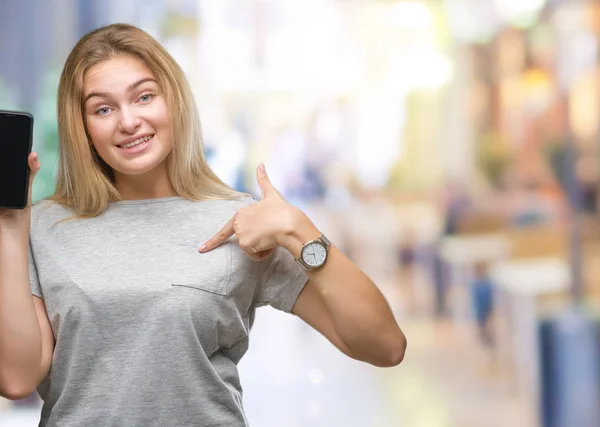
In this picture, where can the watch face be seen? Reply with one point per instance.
(314, 254)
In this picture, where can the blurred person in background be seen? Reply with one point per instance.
(131, 323)
(482, 296)
(455, 205)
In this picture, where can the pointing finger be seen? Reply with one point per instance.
(218, 239)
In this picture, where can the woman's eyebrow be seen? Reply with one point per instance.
(129, 89)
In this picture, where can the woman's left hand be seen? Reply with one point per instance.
(261, 227)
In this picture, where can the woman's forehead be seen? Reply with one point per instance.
(116, 74)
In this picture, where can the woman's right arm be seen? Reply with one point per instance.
(26, 339)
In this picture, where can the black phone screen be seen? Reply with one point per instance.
(15, 145)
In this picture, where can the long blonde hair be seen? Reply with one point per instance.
(85, 182)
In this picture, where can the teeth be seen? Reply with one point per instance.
(136, 142)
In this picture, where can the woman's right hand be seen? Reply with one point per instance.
(34, 167)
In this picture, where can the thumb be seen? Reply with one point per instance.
(34, 167)
(264, 182)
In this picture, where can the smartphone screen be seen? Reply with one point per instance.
(15, 145)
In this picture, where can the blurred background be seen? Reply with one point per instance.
(449, 147)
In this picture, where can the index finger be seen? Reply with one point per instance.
(218, 239)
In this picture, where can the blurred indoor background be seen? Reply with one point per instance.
(449, 147)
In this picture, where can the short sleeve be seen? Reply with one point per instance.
(34, 280)
(282, 281)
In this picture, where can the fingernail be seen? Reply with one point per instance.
(35, 157)
(262, 167)
(202, 248)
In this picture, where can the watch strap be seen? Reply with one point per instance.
(302, 264)
(325, 241)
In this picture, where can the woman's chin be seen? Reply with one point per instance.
(137, 168)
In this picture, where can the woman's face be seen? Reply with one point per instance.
(126, 116)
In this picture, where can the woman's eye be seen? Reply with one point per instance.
(103, 111)
(146, 98)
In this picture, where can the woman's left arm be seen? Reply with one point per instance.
(339, 301)
(343, 304)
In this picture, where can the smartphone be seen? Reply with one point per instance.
(16, 141)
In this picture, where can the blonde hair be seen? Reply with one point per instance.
(85, 182)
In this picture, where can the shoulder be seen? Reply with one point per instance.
(45, 216)
(246, 200)
(47, 212)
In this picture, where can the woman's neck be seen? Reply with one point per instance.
(154, 184)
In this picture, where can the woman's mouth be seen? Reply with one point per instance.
(136, 146)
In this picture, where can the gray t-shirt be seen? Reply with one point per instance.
(148, 330)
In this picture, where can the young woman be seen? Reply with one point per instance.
(146, 269)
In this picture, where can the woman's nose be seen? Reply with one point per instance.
(129, 122)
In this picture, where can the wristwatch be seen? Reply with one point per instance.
(314, 253)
